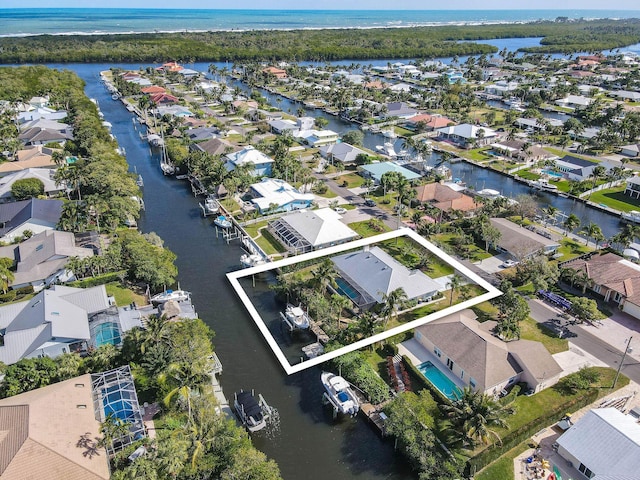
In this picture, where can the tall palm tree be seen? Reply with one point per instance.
(472, 414)
(392, 302)
(156, 331)
(325, 275)
(550, 212)
(571, 223)
(592, 230)
(454, 283)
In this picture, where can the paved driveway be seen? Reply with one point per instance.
(492, 264)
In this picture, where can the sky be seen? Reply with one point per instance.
(334, 4)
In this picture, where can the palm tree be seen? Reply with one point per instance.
(157, 331)
(392, 302)
(571, 223)
(454, 283)
(6, 275)
(472, 414)
(325, 275)
(592, 230)
(598, 172)
(339, 302)
(550, 212)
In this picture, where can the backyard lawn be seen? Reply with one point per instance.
(570, 248)
(503, 467)
(365, 228)
(527, 175)
(124, 296)
(615, 198)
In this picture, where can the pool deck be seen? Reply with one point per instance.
(417, 354)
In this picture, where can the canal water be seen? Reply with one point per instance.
(309, 443)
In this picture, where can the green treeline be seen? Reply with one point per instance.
(316, 45)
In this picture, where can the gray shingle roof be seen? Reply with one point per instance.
(14, 214)
(378, 273)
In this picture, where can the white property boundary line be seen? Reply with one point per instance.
(234, 278)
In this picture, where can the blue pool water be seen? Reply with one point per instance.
(345, 289)
(552, 173)
(439, 380)
(107, 333)
(117, 403)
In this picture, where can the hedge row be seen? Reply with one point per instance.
(491, 453)
(98, 280)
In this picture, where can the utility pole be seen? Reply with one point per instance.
(626, 349)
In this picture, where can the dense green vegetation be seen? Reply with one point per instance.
(316, 45)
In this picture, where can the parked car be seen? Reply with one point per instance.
(509, 263)
(369, 203)
(340, 210)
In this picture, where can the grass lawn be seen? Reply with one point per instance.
(353, 180)
(570, 248)
(527, 175)
(563, 185)
(123, 295)
(615, 198)
(532, 330)
(252, 229)
(230, 205)
(476, 253)
(364, 228)
(476, 154)
(398, 249)
(561, 153)
(269, 244)
(403, 132)
(502, 468)
(328, 194)
(485, 311)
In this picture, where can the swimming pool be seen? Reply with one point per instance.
(107, 333)
(551, 173)
(439, 380)
(118, 403)
(345, 289)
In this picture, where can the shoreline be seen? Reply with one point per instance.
(320, 28)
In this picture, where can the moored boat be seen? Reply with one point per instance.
(543, 184)
(222, 222)
(253, 413)
(296, 317)
(211, 206)
(252, 260)
(339, 393)
(633, 216)
(176, 295)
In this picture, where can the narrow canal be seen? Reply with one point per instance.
(309, 443)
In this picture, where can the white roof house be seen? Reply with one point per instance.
(261, 161)
(574, 101)
(51, 323)
(372, 273)
(467, 134)
(604, 444)
(275, 194)
(308, 230)
(45, 175)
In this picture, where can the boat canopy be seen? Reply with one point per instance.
(249, 405)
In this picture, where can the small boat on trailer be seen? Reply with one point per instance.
(175, 295)
(222, 222)
(339, 394)
(296, 317)
(253, 413)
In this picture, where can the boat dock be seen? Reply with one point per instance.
(320, 334)
(217, 389)
(374, 415)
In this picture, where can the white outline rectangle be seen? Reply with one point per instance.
(234, 277)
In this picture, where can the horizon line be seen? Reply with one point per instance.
(331, 9)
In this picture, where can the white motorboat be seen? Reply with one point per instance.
(296, 317)
(222, 222)
(543, 184)
(176, 295)
(253, 413)
(167, 168)
(633, 216)
(387, 149)
(211, 206)
(252, 260)
(390, 133)
(339, 394)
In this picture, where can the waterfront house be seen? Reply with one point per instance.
(520, 242)
(632, 150)
(366, 276)
(518, 150)
(307, 230)
(633, 187)
(44, 113)
(35, 156)
(45, 175)
(501, 88)
(445, 198)
(428, 122)
(153, 90)
(275, 195)
(603, 444)
(574, 101)
(163, 99)
(611, 277)
(51, 432)
(198, 134)
(376, 170)
(467, 135)
(34, 215)
(214, 146)
(578, 169)
(317, 138)
(261, 162)
(400, 110)
(341, 152)
(53, 322)
(276, 72)
(478, 359)
(42, 259)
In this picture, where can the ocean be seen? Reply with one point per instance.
(66, 21)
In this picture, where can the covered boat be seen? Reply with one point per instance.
(296, 317)
(252, 412)
(210, 206)
(339, 394)
(222, 222)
